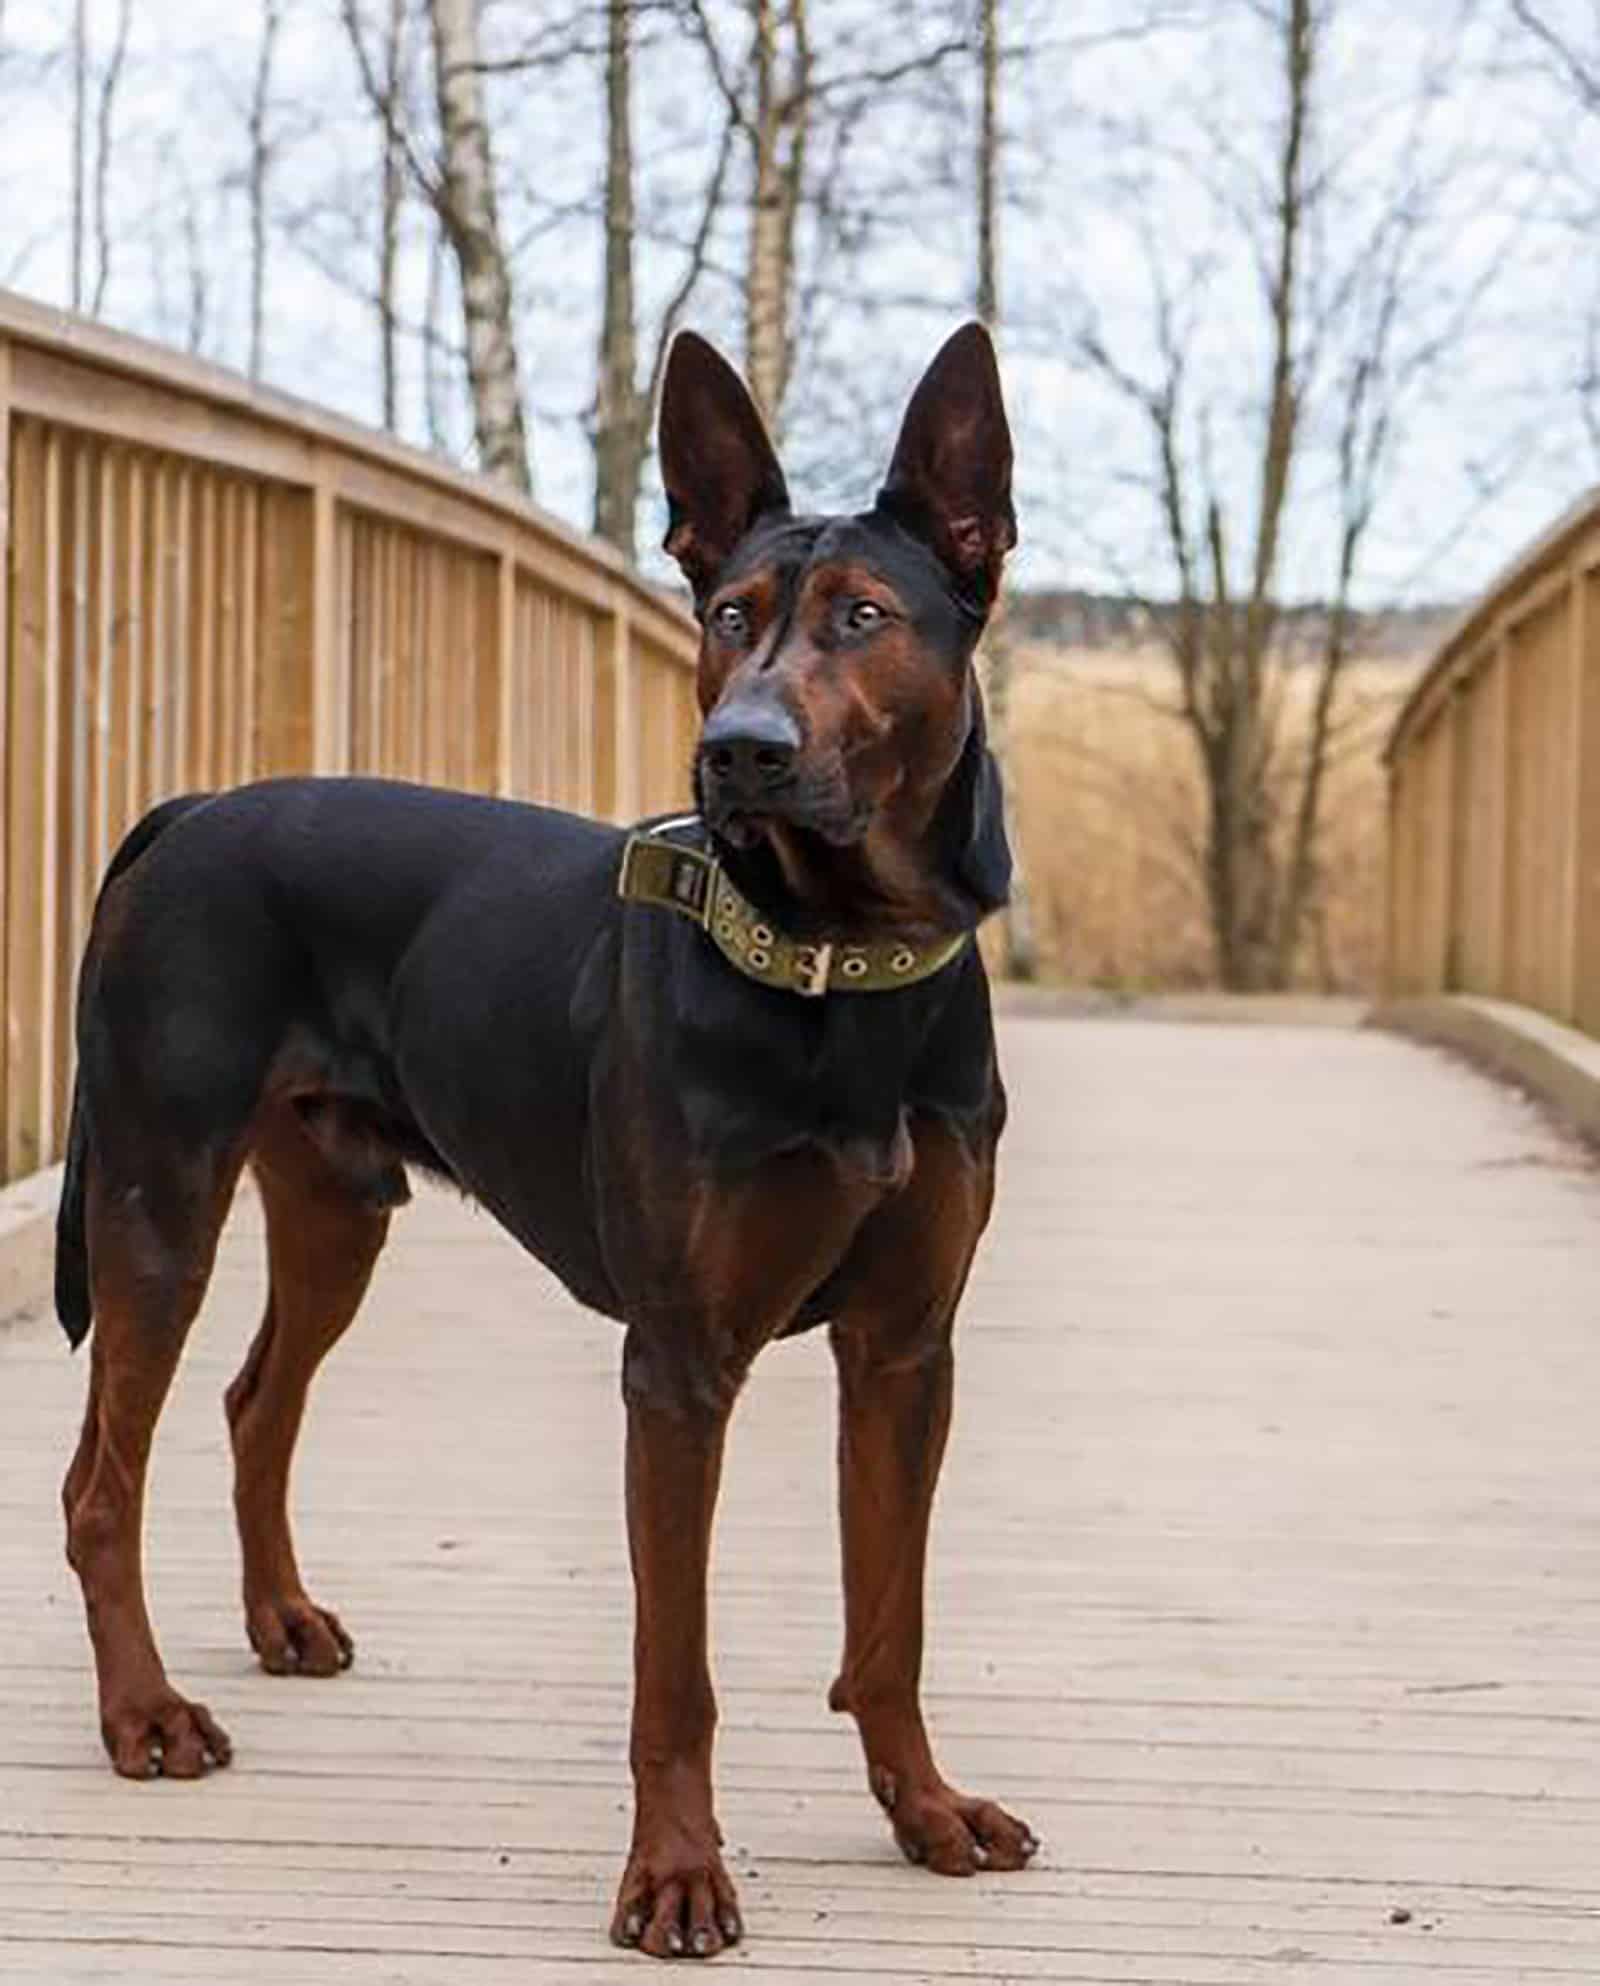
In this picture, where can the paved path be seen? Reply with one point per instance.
(1268, 1583)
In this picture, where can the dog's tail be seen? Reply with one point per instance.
(72, 1246)
(73, 1302)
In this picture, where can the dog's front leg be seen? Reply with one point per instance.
(714, 1274)
(892, 1347)
(676, 1897)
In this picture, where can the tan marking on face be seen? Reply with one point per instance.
(721, 659)
(879, 699)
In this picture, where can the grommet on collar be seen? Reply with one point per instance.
(692, 881)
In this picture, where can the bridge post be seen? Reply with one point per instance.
(7, 839)
(330, 675)
(625, 801)
(1458, 828)
(32, 801)
(287, 630)
(1499, 945)
(1582, 963)
(505, 647)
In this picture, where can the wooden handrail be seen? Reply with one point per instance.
(1494, 791)
(205, 582)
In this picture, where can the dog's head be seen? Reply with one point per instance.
(842, 757)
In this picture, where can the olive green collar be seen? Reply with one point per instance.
(694, 883)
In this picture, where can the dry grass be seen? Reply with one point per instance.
(1109, 813)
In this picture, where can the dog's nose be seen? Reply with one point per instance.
(749, 746)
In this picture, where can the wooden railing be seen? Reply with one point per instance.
(205, 584)
(1494, 793)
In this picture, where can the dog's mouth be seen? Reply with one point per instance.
(747, 827)
(742, 830)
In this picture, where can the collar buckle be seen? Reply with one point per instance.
(813, 963)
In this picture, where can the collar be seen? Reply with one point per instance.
(693, 882)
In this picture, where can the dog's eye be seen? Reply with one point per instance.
(732, 620)
(864, 614)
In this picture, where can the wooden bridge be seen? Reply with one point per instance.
(1267, 1565)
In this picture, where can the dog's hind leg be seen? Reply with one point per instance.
(82, 1463)
(323, 1239)
(151, 1247)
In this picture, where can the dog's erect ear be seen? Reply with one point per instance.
(950, 480)
(716, 461)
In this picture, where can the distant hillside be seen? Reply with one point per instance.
(1066, 618)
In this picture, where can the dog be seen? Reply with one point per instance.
(730, 1077)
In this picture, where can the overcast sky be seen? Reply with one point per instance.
(1122, 157)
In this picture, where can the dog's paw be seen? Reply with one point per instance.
(945, 1831)
(676, 1901)
(163, 1737)
(293, 1636)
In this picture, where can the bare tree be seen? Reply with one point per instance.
(1570, 59)
(102, 156)
(769, 105)
(1333, 365)
(774, 97)
(460, 188)
(780, 130)
(1019, 959)
(1579, 67)
(624, 403)
(468, 208)
(386, 82)
(988, 163)
(260, 169)
(392, 200)
(198, 282)
(433, 386)
(80, 123)
(787, 107)
(618, 450)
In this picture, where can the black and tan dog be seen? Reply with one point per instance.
(730, 1077)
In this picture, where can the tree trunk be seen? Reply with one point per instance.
(1283, 401)
(1244, 872)
(392, 183)
(1300, 885)
(988, 298)
(433, 387)
(1241, 870)
(260, 168)
(778, 136)
(621, 418)
(469, 211)
(1019, 954)
(80, 118)
(199, 284)
(102, 157)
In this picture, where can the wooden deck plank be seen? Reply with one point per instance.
(1266, 1582)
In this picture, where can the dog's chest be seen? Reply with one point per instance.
(749, 1071)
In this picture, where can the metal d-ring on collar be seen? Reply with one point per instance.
(692, 882)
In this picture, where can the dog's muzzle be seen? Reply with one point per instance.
(753, 770)
(749, 751)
